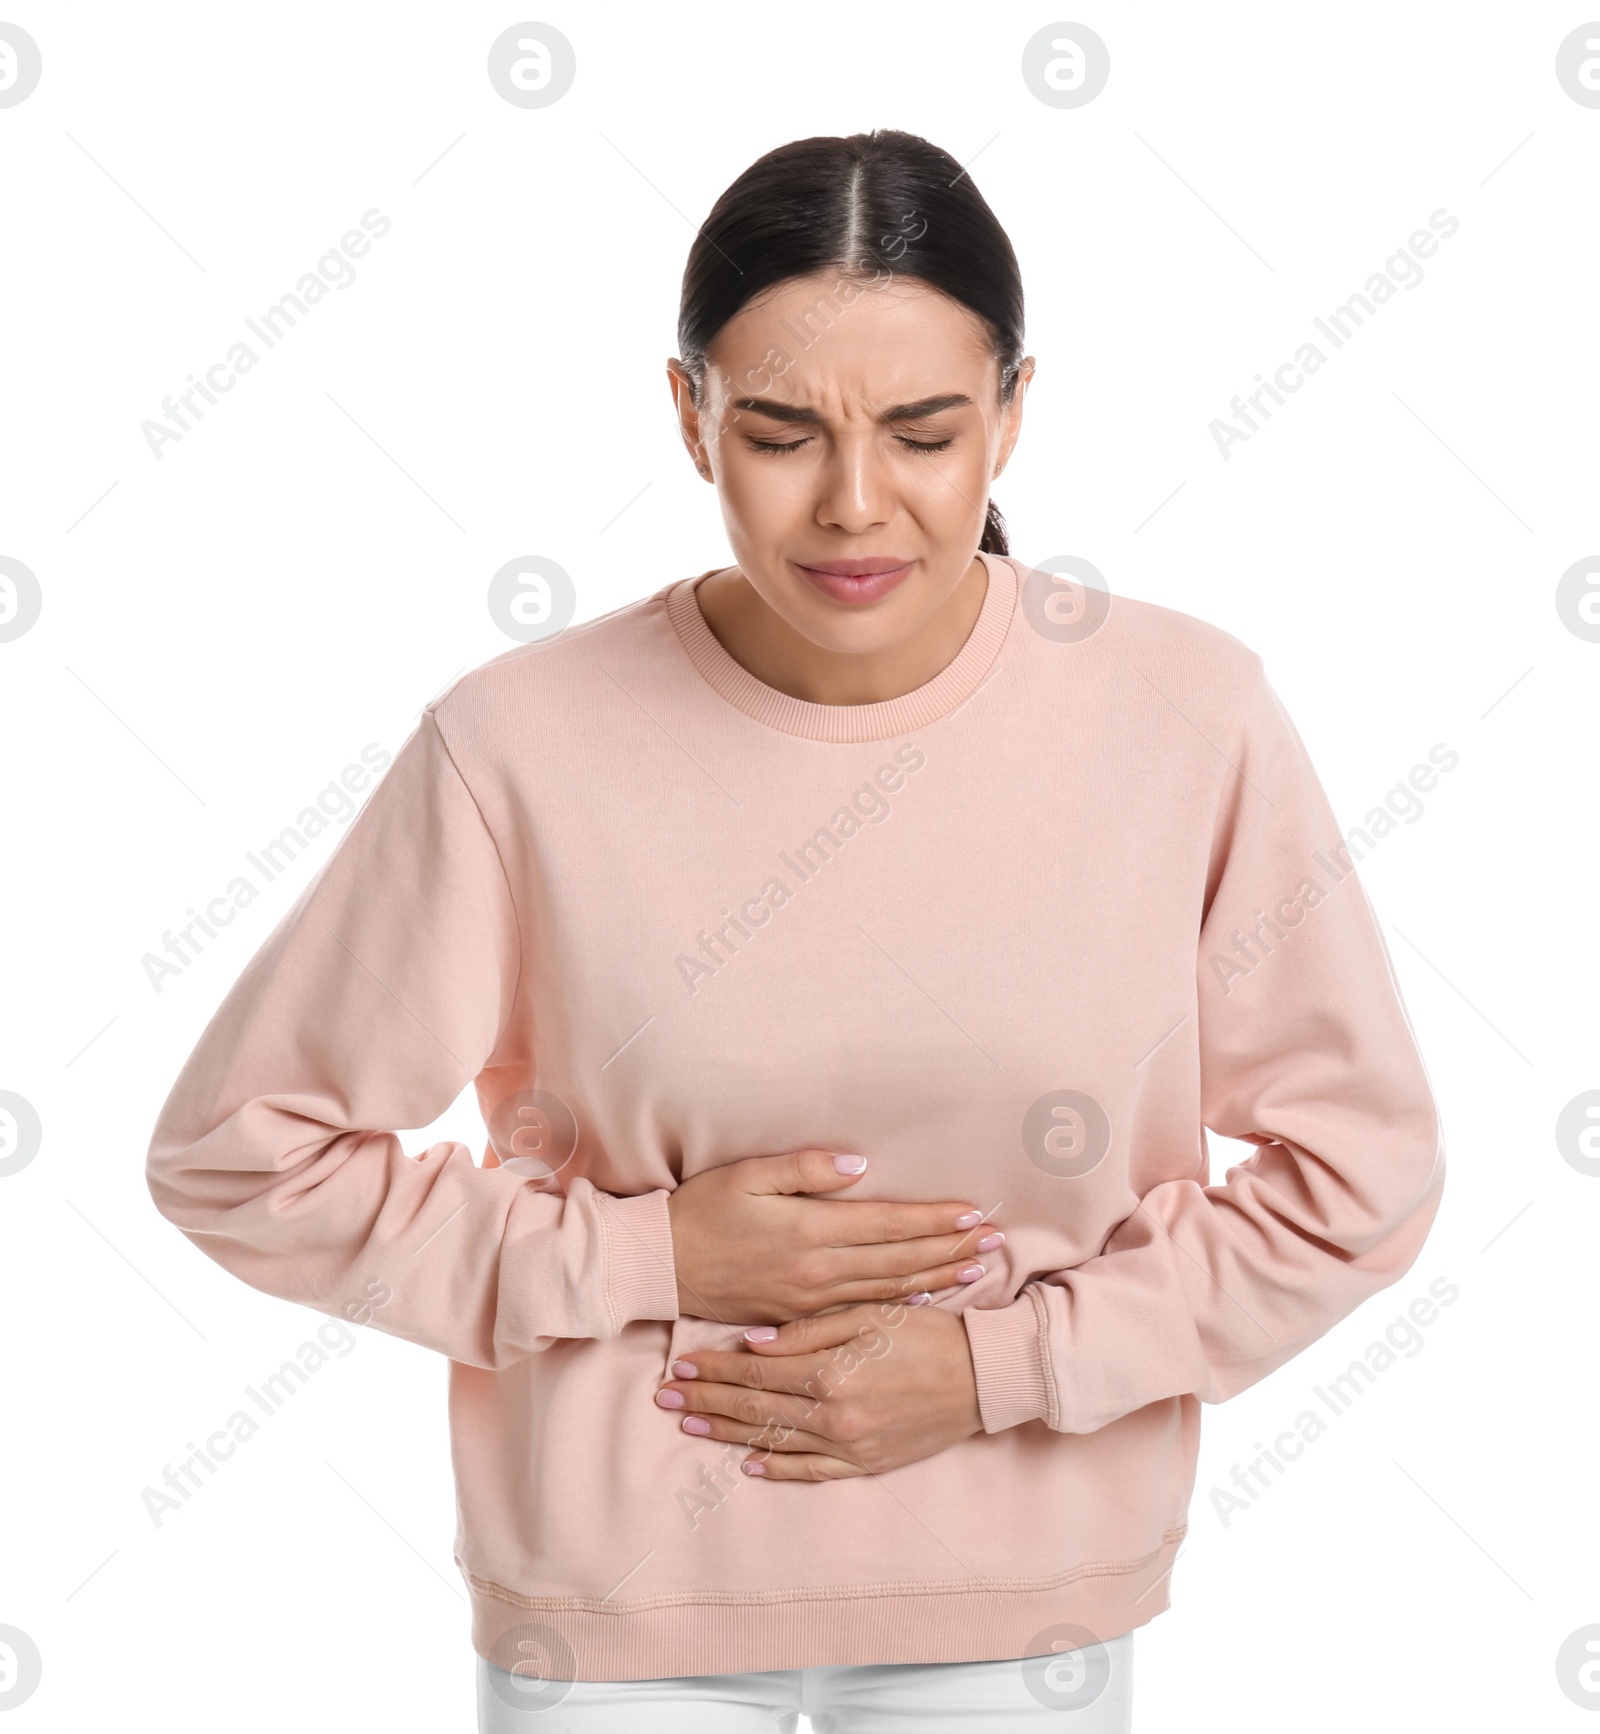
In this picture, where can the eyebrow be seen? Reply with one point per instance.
(794, 412)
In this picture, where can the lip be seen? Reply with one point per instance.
(856, 581)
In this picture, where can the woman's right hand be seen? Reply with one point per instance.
(751, 1248)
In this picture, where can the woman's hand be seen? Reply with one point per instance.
(747, 1248)
(850, 1393)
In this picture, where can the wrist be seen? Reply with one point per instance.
(965, 1375)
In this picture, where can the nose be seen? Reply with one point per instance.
(855, 489)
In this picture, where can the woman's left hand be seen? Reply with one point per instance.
(852, 1392)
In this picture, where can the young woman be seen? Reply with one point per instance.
(848, 947)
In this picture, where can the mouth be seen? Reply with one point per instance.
(856, 581)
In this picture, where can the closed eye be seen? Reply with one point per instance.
(777, 446)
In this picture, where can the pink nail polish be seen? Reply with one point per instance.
(919, 1300)
(969, 1219)
(850, 1164)
(970, 1274)
(752, 1467)
(696, 1424)
(761, 1334)
(669, 1399)
(990, 1242)
(685, 1370)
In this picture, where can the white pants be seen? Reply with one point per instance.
(1075, 1693)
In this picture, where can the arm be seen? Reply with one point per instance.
(1306, 1053)
(389, 986)
(384, 990)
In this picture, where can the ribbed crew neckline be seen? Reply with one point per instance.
(957, 680)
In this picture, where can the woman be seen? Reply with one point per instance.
(799, 925)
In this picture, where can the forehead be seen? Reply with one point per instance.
(814, 338)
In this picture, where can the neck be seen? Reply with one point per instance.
(757, 637)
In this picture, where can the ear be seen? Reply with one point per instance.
(688, 412)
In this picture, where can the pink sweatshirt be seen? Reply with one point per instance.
(1017, 936)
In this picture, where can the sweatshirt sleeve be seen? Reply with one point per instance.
(379, 996)
(1306, 1051)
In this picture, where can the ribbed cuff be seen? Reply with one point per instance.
(641, 1277)
(1008, 1353)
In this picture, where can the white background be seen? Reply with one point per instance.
(227, 626)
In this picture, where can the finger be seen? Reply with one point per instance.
(791, 1375)
(799, 1357)
(738, 1403)
(808, 1170)
(819, 1331)
(870, 1222)
(914, 1291)
(800, 1466)
(772, 1440)
(906, 1258)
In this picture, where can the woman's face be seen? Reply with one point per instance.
(850, 426)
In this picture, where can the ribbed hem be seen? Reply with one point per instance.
(641, 1277)
(963, 1620)
(957, 680)
(1009, 1358)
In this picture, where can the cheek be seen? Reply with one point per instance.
(971, 468)
(954, 489)
(764, 489)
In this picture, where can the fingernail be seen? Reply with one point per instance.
(669, 1399)
(920, 1300)
(752, 1467)
(685, 1370)
(850, 1164)
(761, 1334)
(696, 1424)
(969, 1219)
(990, 1242)
(970, 1274)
